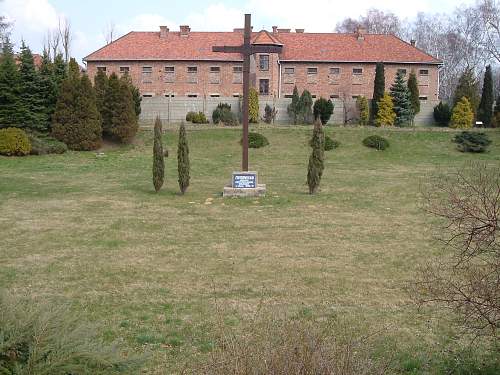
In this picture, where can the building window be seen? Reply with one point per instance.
(423, 72)
(169, 74)
(264, 62)
(289, 96)
(101, 69)
(357, 71)
(192, 74)
(423, 98)
(335, 71)
(335, 96)
(192, 95)
(124, 70)
(312, 75)
(214, 95)
(236, 95)
(402, 71)
(147, 74)
(289, 70)
(147, 95)
(214, 74)
(289, 76)
(237, 74)
(170, 95)
(264, 87)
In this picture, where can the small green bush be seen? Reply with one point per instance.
(222, 114)
(331, 144)
(43, 145)
(256, 140)
(376, 141)
(190, 116)
(323, 109)
(196, 117)
(472, 141)
(14, 142)
(442, 114)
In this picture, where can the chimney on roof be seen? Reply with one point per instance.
(360, 32)
(163, 31)
(299, 31)
(413, 42)
(185, 29)
(275, 29)
(284, 30)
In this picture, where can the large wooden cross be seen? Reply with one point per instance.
(247, 49)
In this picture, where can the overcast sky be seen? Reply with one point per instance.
(32, 18)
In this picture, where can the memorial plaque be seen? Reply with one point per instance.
(244, 180)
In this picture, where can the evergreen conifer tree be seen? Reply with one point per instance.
(10, 105)
(60, 69)
(158, 156)
(468, 87)
(385, 115)
(294, 106)
(76, 120)
(253, 106)
(306, 112)
(485, 110)
(317, 158)
(100, 87)
(49, 85)
(378, 89)
(364, 112)
(183, 159)
(414, 94)
(401, 100)
(462, 116)
(33, 114)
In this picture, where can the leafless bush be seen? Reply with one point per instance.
(467, 278)
(274, 346)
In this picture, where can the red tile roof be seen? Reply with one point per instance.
(297, 47)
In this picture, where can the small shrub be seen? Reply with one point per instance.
(331, 144)
(253, 106)
(222, 114)
(256, 140)
(442, 114)
(376, 141)
(190, 116)
(44, 145)
(269, 114)
(200, 118)
(462, 115)
(14, 142)
(323, 109)
(472, 141)
(385, 112)
(364, 112)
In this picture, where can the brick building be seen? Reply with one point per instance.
(181, 63)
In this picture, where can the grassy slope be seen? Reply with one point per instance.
(150, 266)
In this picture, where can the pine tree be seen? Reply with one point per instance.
(158, 156)
(100, 87)
(60, 69)
(76, 120)
(468, 87)
(317, 159)
(33, 113)
(401, 100)
(385, 115)
(462, 116)
(485, 110)
(253, 106)
(294, 107)
(183, 159)
(378, 89)
(364, 112)
(49, 85)
(10, 105)
(414, 94)
(306, 102)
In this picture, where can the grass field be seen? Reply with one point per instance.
(151, 268)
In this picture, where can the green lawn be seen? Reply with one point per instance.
(152, 267)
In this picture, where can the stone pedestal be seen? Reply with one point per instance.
(244, 184)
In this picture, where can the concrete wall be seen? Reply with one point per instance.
(175, 109)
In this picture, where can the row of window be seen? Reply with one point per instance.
(355, 71)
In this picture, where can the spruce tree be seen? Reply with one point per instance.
(158, 156)
(306, 112)
(183, 159)
(110, 103)
(468, 87)
(485, 110)
(33, 113)
(60, 69)
(76, 120)
(294, 107)
(317, 158)
(401, 100)
(10, 104)
(414, 94)
(49, 85)
(378, 89)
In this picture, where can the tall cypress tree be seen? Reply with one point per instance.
(136, 94)
(316, 159)
(306, 102)
(158, 156)
(33, 114)
(10, 104)
(485, 110)
(468, 87)
(109, 108)
(183, 160)
(100, 86)
(378, 89)
(294, 107)
(401, 99)
(414, 94)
